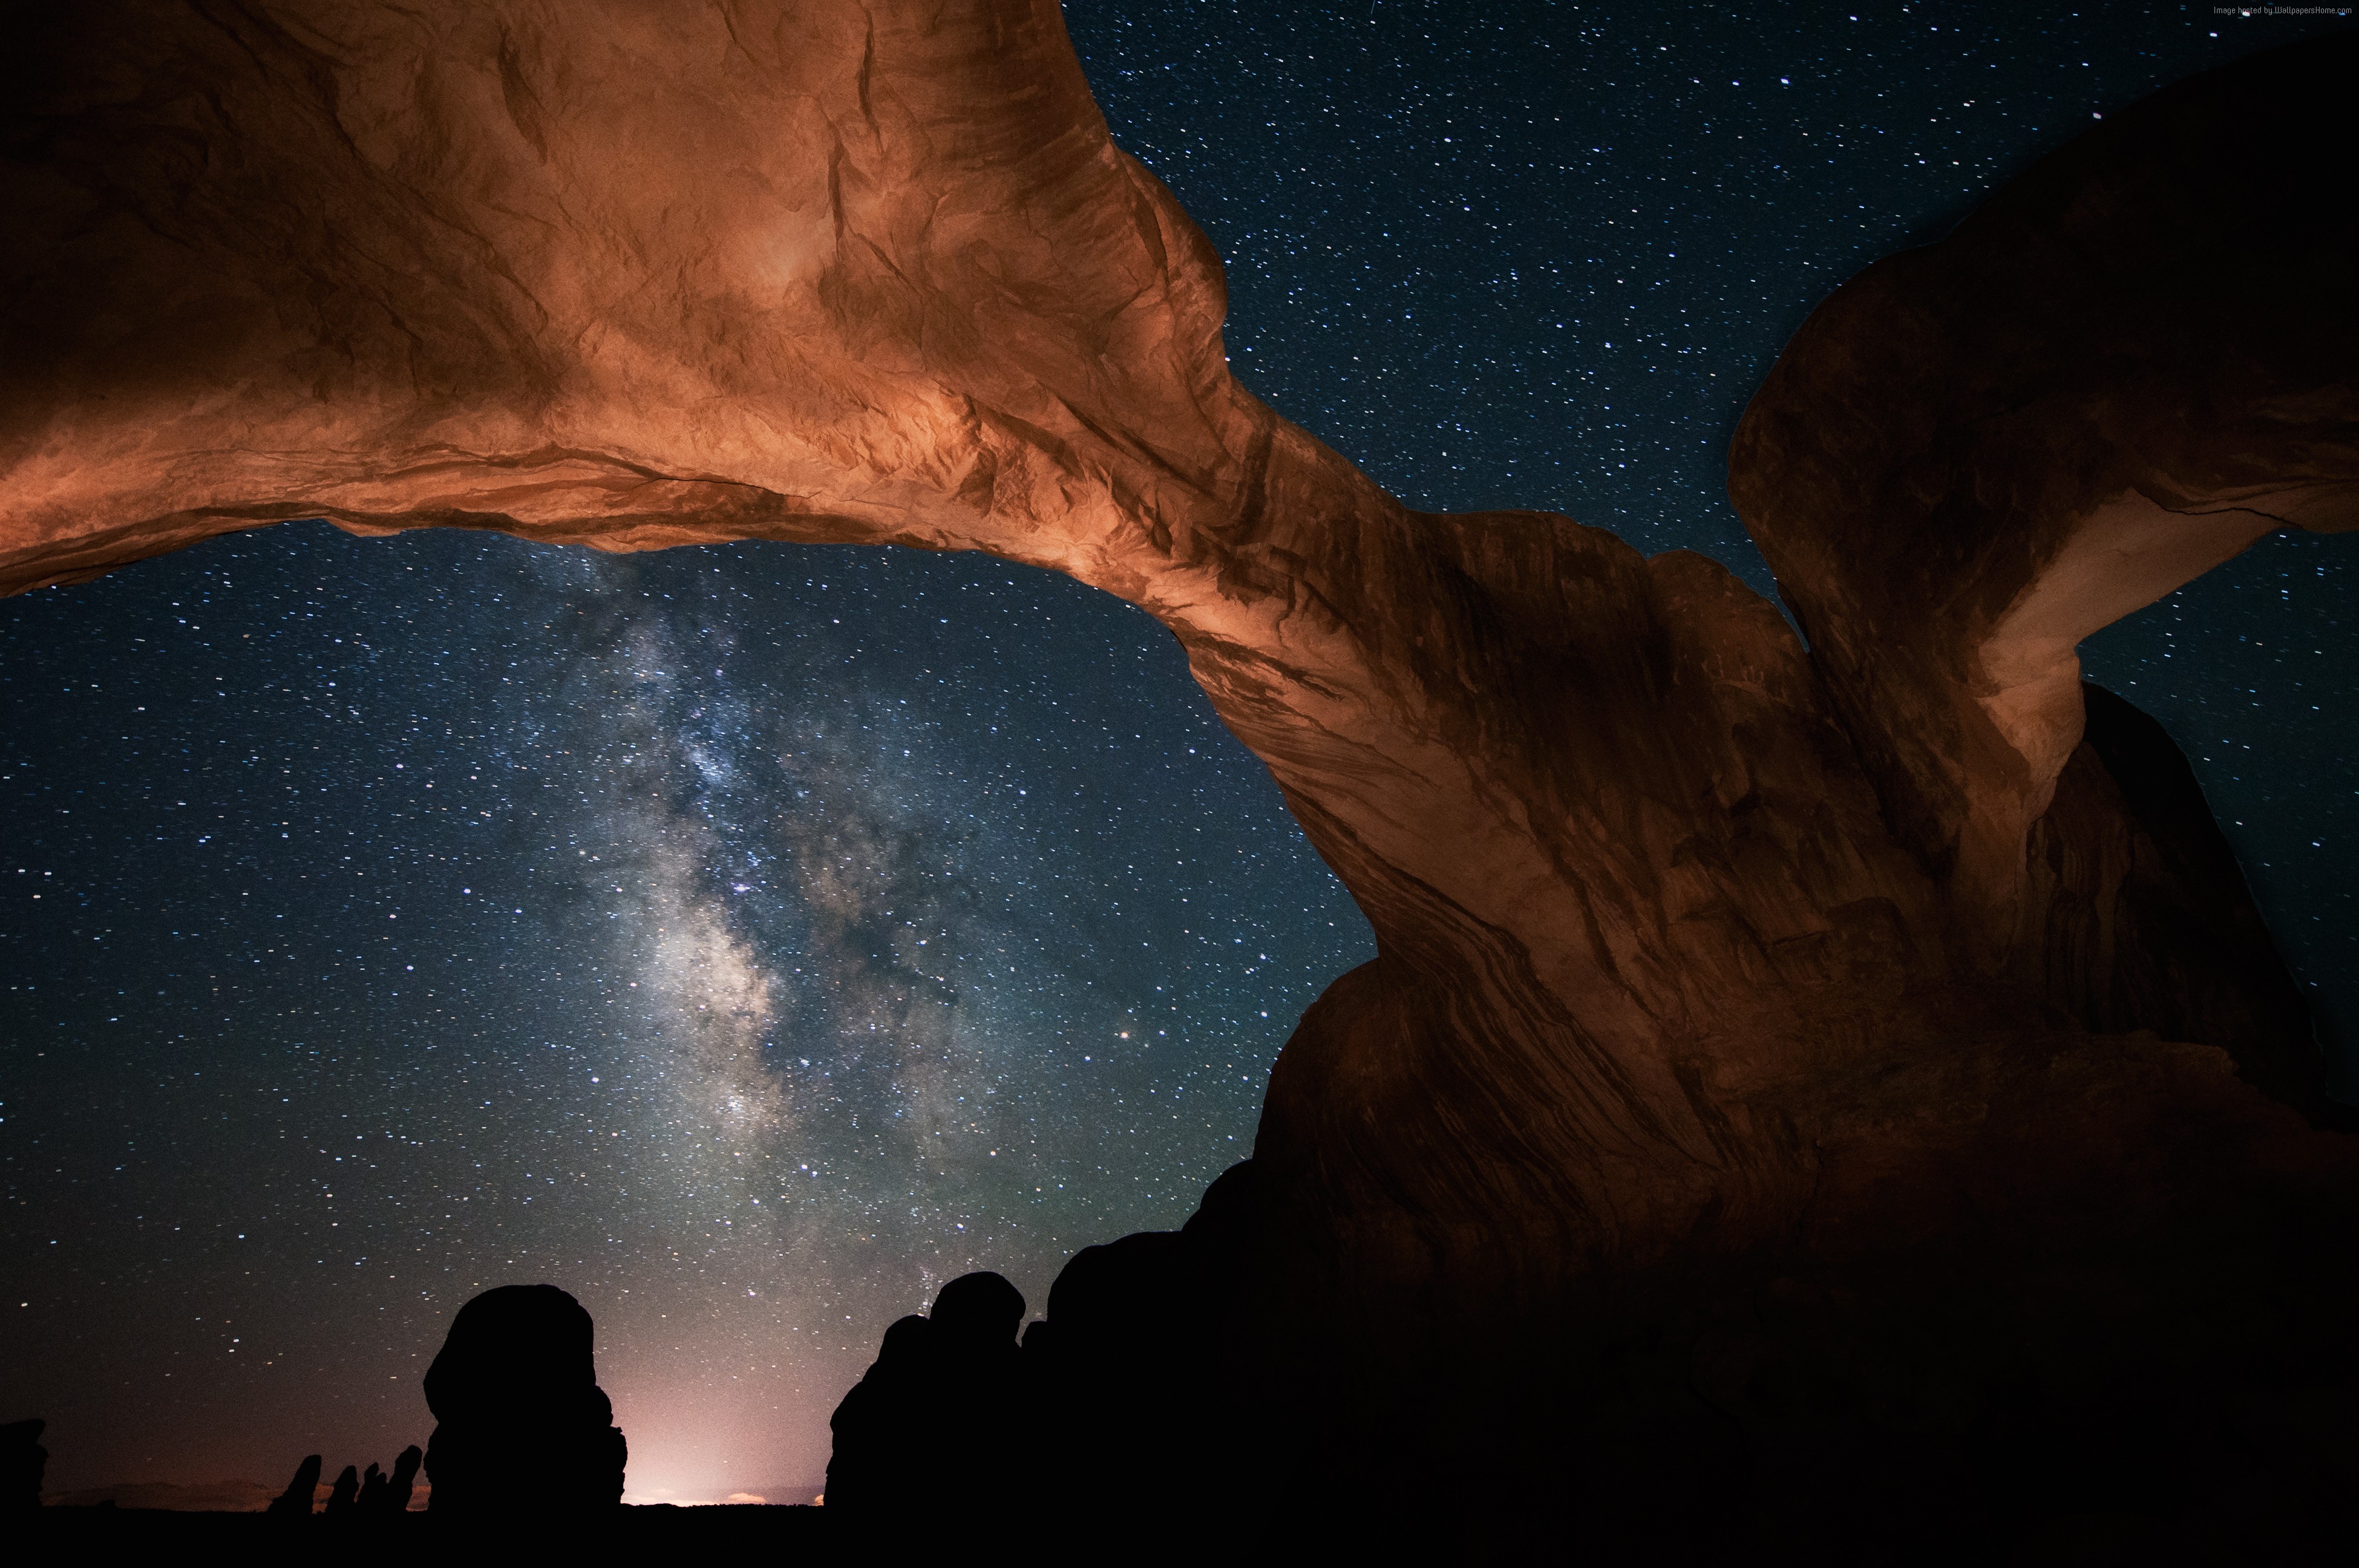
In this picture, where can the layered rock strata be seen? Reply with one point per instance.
(1695, 943)
(2124, 369)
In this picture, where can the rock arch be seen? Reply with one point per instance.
(1694, 942)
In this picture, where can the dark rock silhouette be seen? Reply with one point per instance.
(978, 1314)
(1145, 1374)
(941, 1427)
(1789, 1067)
(373, 1494)
(868, 1467)
(1122, 1401)
(524, 1429)
(983, 1436)
(1118, 1365)
(394, 1498)
(23, 1461)
(302, 1492)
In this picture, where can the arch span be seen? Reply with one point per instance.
(1668, 906)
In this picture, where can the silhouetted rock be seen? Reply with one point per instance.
(523, 1427)
(878, 1423)
(344, 1492)
(1768, 1041)
(982, 1424)
(302, 1491)
(939, 1427)
(977, 1315)
(1138, 1406)
(22, 1462)
(372, 1498)
(394, 1499)
(1123, 1404)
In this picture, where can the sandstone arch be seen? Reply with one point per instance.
(1695, 944)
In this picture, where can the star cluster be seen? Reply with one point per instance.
(1539, 256)
(750, 939)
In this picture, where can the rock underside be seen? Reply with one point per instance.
(1801, 1089)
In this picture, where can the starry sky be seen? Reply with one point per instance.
(751, 939)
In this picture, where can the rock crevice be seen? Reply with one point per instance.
(1696, 943)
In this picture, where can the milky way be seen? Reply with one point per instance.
(749, 940)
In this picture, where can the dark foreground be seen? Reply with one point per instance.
(116, 1534)
(785, 1534)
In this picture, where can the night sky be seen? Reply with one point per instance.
(751, 939)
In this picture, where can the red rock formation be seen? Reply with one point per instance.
(804, 273)
(2120, 371)
(1694, 943)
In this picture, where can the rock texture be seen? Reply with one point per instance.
(1706, 958)
(2123, 370)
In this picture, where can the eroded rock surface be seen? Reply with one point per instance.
(1700, 953)
(799, 272)
(2122, 370)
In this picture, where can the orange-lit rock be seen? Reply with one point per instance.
(801, 272)
(2122, 370)
(1695, 946)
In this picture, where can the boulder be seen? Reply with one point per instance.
(524, 1430)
